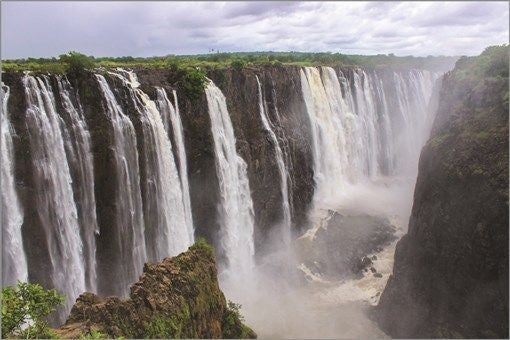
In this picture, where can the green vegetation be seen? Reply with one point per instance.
(163, 328)
(201, 244)
(76, 63)
(222, 60)
(233, 324)
(94, 335)
(493, 62)
(190, 79)
(28, 303)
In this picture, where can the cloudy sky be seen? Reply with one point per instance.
(44, 29)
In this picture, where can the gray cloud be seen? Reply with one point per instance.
(42, 29)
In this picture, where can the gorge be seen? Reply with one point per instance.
(105, 170)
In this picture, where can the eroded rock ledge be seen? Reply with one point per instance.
(176, 298)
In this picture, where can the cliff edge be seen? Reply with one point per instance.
(176, 298)
(450, 277)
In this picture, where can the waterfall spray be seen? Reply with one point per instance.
(54, 197)
(171, 114)
(128, 225)
(286, 223)
(14, 263)
(236, 206)
(81, 164)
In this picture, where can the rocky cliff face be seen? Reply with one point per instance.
(177, 298)
(450, 277)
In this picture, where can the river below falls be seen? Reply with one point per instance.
(288, 300)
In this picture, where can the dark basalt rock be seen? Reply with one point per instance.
(176, 298)
(450, 277)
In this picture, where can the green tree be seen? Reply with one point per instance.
(238, 64)
(27, 302)
(76, 62)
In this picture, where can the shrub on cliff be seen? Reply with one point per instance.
(191, 80)
(238, 64)
(28, 302)
(493, 62)
(76, 62)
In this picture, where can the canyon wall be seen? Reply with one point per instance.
(450, 277)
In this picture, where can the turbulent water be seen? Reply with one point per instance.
(56, 207)
(286, 223)
(235, 206)
(14, 264)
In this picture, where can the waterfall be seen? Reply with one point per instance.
(53, 192)
(169, 114)
(326, 139)
(353, 136)
(128, 228)
(167, 223)
(14, 264)
(81, 164)
(235, 206)
(286, 224)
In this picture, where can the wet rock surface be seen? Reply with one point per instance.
(176, 298)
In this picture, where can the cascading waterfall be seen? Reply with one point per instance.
(284, 145)
(129, 226)
(352, 135)
(171, 114)
(14, 264)
(81, 164)
(55, 205)
(326, 139)
(235, 206)
(286, 223)
(167, 223)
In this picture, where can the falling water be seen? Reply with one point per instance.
(326, 138)
(236, 206)
(286, 233)
(81, 164)
(352, 133)
(14, 264)
(169, 114)
(128, 228)
(53, 192)
(166, 220)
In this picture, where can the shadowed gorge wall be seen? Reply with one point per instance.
(450, 277)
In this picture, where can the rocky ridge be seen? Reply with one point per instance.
(176, 298)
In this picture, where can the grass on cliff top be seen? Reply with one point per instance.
(236, 60)
(492, 63)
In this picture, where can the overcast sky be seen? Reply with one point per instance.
(45, 29)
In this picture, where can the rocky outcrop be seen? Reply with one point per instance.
(340, 248)
(450, 277)
(177, 298)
